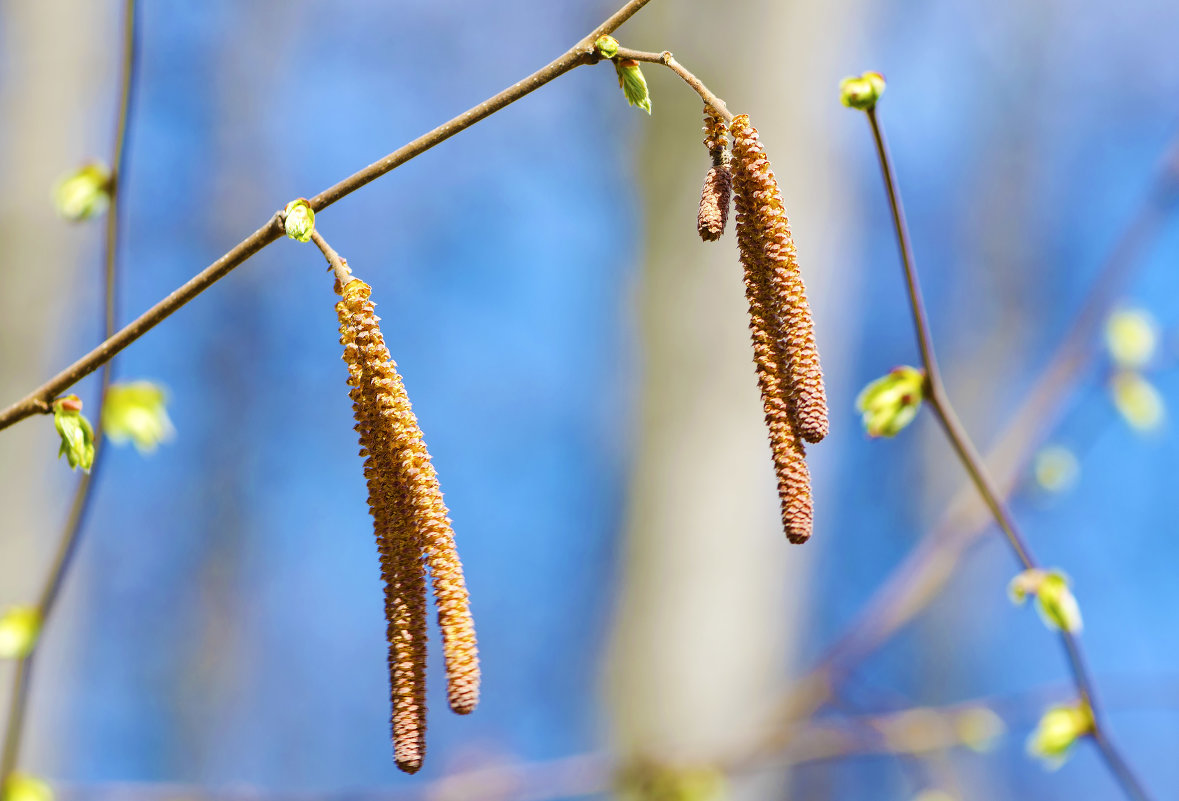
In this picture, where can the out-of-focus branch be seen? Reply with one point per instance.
(71, 533)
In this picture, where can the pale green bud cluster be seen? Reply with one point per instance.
(1055, 601)
(1056, 468)
(299, 220)
(84, 193)
(890, 403)
(136, 412)
(19, 628)
(1059, 728)
(77, 437)
(1131, 336)
(607, 46)
(861, 92)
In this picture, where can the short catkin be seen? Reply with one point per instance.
(785, 356)
(718, 182)
(412, 529)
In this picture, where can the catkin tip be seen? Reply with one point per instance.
(714, 203)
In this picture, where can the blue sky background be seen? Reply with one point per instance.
(230, 615)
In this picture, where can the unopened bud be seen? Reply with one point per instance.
(890, 403)
(1131, 336)
(19, 629)
(136, 412)
(1059, 728)
(862, 92)
(607, 46)
(77, 437)
(1055, 601)
(300, 220)
(84, 193)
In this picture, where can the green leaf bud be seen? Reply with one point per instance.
(607, 46)
(19, 628)
(1055, 468)
(84, 193)
(862, 92)
(890, 403)
(1137, 400)
(633, 84)
(1059, 728)
(1055, 601)
(77, 437)
(23, 787)
(136, 412)
(299, 220)
(1131, 336)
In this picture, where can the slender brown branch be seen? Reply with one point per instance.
(928, 568)
(974, 466)
(337, 264)
(581, 53)
(668, 60)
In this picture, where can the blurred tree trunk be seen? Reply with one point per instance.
(58, 67)
(712, 596)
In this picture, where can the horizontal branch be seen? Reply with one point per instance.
(582, 53)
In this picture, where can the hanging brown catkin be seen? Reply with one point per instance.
(397, 542)
(792, 325)
(770, 352)
(718, 182)
(412, 528)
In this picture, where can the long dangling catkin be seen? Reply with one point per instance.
(718, 182)
(792, 323)
(789, 453)
(412, 529)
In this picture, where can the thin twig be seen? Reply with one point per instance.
(335, 263)
(974, 466)
(580, 54)
(668, 60)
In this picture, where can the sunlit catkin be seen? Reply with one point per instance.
(765, 270)
(790, 314)
(412, 530)
(718, 182)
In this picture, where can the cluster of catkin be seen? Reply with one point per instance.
(784, 352)
(412, 528)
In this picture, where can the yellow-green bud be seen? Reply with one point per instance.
(1056, 468)
(1058, 729)
(1137, 400)
(19, 629)
(23, 787)
(890, 403)
(77, 437)
(299, 220)
(1131, 336)
(1055, 601)
(84, 193)
(136, 412)
(633, 84)
(607, 46)
(862, 92)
